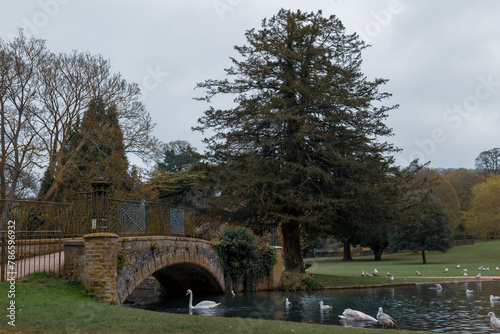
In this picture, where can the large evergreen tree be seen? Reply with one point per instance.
(303, 140)
(101, 156)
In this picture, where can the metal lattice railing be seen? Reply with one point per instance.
(40, 227)
(122, 217)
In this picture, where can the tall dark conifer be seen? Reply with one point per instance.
(102, 155)
(304, 132)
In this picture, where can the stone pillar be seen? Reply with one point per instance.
(74, 258)
(276, 272)
(100, 265)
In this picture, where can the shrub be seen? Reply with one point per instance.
(240, 257)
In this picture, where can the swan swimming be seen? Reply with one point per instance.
(323, 306)
(200, 305)
(354, 315)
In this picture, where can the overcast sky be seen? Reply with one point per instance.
(442, 59)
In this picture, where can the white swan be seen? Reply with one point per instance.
(494, 298)
(287, 302)
(494, 321)
(323, 306)
(200, 305)
(385, 319)
(354, 315)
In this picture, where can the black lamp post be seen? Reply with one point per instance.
(99, 195)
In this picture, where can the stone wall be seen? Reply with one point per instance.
(74, 254)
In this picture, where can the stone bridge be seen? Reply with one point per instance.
(111, 267)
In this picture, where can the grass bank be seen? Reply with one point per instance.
(332, 271)
(47, 305)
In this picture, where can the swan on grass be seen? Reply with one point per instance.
(385, 319)
(353, 315)
(201, 305)
(494, 321)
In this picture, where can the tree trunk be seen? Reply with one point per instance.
(378, 248)
(347, 252)
(423, 257)
(291, 247)
(377, 251)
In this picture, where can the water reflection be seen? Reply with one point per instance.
(418, 307)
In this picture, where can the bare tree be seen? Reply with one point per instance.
(21, 146)
(43, 95)
(488, 162)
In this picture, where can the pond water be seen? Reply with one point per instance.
(416, 307)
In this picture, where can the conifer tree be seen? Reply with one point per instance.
(303, 139)
(102, 155)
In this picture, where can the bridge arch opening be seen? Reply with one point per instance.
(177, 278)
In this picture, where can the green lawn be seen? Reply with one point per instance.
(334, 271)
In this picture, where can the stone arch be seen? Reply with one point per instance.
(176, 262)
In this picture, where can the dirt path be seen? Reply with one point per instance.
(47, 262)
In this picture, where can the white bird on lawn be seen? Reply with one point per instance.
(375, 272)
(363, 272)
(353, 315)
(385, 319)
(497, 269)
(458, 266)
(494, 298)
(391, 278)
(201, 305)
(287, 302)
(478, 276)
(389, 274)
(494, 321)
(464, 274)
(418, 273)
(464, 270)
(445, 270)
(323, 306)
